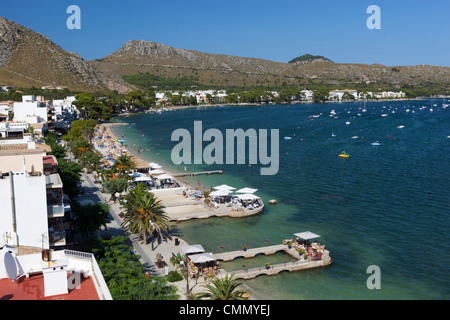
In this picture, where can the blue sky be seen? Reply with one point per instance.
(412, 31)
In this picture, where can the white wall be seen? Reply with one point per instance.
(31, 209)
(24, 109)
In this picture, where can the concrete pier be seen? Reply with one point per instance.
(191, 174)
(299, 264)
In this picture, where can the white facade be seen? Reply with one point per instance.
(308, 94)
(30, 111)
(65, 108)
(28, 210)
(7, 127)
(338, 94)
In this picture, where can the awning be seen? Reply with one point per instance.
(195, 248)
(137, 179)
(201, 257)
(219, 193)
(306, 235)
(223, 187)
(164, 176)
(247, 196)
(246, 190)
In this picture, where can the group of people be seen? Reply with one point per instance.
(306, 248)
(209, 270)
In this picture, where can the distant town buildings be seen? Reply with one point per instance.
(339, 94)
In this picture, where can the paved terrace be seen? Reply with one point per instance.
(179, 208)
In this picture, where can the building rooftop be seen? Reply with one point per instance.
(53, 181)
(50, 160)
(69, 275)
(32, 288)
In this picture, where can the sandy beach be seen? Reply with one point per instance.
(176, 206)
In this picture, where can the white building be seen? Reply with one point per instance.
(308, 95)
(23, 218)
(9, 127)
(65, 109)
(30, 109)
(32, 201)
(338, 94)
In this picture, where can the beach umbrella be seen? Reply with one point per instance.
(247, 190)
(306, 235)
(135, 174)
(156, 171)
(154, 165)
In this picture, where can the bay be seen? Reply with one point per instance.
(385, 205)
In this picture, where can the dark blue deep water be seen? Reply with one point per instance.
(385, 205)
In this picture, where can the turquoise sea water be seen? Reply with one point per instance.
(385, 205)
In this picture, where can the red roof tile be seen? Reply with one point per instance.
(32, 288)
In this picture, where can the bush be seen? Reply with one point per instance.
(174, 276)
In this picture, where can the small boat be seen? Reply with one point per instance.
(347, 123)
(400, 127)
(333, 135)
(355, 137)
(384, 115)
(287, 138)
(344, 155)
(375, 143)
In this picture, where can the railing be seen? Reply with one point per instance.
(274, 269)
(101, 285)
(78, 254)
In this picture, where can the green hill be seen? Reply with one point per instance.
(309, 58)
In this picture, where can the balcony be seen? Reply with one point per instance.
(55, 211)
(57, 234)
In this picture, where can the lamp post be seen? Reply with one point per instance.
(187, 274)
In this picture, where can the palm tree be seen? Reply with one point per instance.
(124, 164)
(206, 195)
(90, 218)
(223, 289)
(145, 214)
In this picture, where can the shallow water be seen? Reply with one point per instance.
(385, 205)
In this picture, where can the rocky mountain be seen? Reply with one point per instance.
(28, 58)
(224, 70)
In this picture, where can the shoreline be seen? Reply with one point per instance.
(134, 154)
(110, 131)
(256, 104)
